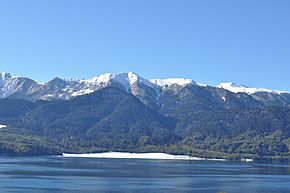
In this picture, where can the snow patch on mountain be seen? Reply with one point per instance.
(224, 98)
(131, 82)
(124, 79)
(237, 88)
(101, 79)
(172, 81)
(2, 126)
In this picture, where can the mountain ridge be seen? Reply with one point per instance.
(128, 78)
(155, 93)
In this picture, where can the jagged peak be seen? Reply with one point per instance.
(57, 80)
(127, 79)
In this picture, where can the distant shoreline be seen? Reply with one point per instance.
(126, 155)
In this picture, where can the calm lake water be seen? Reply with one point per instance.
(63, 175)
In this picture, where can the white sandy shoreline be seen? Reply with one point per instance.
(125, 155)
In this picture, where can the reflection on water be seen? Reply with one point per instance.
(61, 175)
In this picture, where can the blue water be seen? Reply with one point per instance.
(63, 175)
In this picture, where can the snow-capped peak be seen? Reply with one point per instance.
(172, 81)
(237, 88)
(130, 81)
(133, 77)
(125, 79)
(130, 78)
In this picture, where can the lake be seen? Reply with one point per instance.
(63, 175)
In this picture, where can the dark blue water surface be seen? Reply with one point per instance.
(59, 174)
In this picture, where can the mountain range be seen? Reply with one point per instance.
(150, 92)
(129, 113)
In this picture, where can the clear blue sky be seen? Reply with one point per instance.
(210, 41)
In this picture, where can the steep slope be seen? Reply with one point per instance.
(14, 108)
(273, 99)
(109, 114)
(17, 87)
(267, 97)
(179, 101)
(230, 123)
